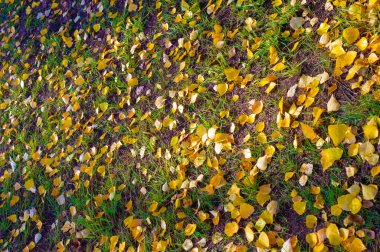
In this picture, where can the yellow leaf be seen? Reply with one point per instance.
(103, 106)
(311, 221)
(375, 170)
(79, 81)
(249, 234)
(263, 241)
(362, 43)
(356, 245)
(190, 229)
(231, 228)
(370, 131)
(345, 59)
(246, 210)
(308, 131)
(96, 27)
(29, 185)
(329, 156)
(12, 218)
(337, 133)
(102, 64)
(299, 207)
(14, 200)
(231, 74)
(336, 210)
(288, 176)
(249, 53)
(355, 206)
(332, 233)
(279, 67)
(351, 34)
(273, 55)
(113, 242)
(323, 28)
(369, 191)
(221, 88)
(344, 201)
(312, 239)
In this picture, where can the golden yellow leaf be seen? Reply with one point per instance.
(356, 245)
(337, 133)
(14, 200)
(375, 170)
(288, 176)
(113, 242)
(362, 43)
(190, 229)
(12, 218)
(332, 234)
(231, 228)
(308, 131)
(336, 210)
(299, 207)
(323, 28)
(370, 131)
(231, 74)
(351, 34)
(221, 88)
(257, 107)
(246, 210)
(345, 59)
(102, 64)
(355, 206)
(312, 239)
(79, 81)
(329, 156)
(273, 55)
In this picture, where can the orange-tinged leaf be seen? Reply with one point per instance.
(308, 131)
(231, 228)
(79, 81)
(113, 242)
(257, 107)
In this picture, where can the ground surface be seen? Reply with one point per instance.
(189, 125)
